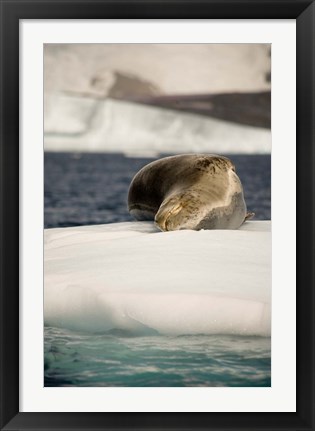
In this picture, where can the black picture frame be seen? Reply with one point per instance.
(14, 10)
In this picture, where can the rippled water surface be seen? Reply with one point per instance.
(92, 188)
(74, 359)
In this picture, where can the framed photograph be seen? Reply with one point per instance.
(157, 215)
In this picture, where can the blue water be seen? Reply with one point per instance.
(92, 189)
(85, 189)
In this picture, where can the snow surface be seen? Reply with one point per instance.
(104, 125)
(132, 277)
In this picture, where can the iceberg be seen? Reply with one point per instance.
(83, 124)
(132, 278)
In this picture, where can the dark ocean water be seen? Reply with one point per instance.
(85, 189)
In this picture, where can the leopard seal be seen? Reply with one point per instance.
(189, 191)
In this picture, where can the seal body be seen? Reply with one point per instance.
(188, 191)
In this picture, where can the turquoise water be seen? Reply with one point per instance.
(76, 359)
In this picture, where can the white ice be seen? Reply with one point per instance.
(132, 277)
(74, 123)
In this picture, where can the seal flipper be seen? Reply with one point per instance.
(249, 216)
(178, 212)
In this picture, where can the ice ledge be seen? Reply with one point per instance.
(132, 277)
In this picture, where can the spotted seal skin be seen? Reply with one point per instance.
(189, 191)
